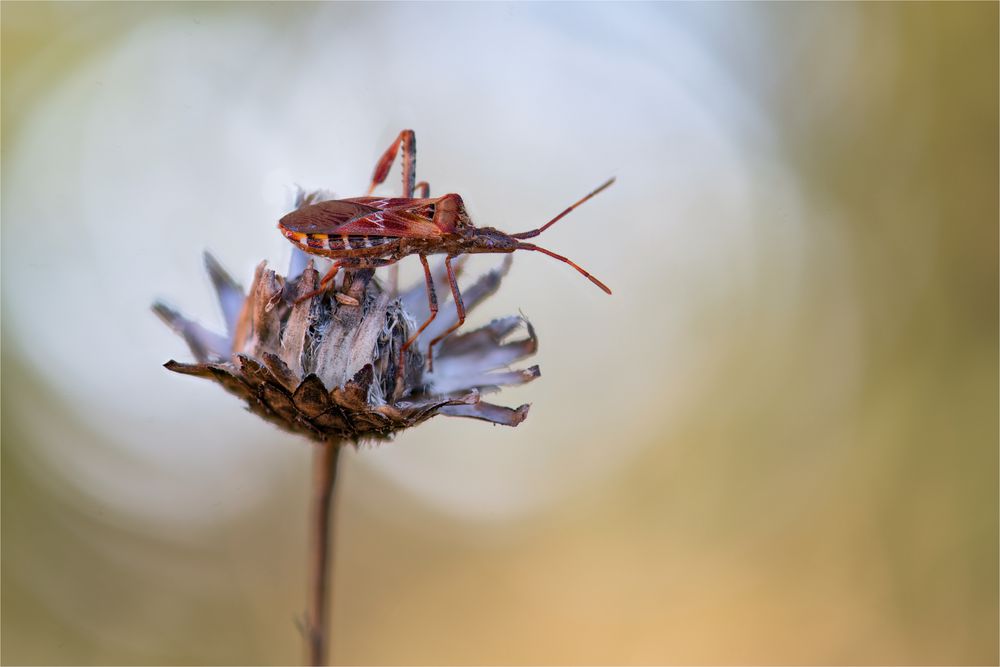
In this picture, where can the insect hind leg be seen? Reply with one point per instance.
(408, 141)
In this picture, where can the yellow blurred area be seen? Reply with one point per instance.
(819, 485)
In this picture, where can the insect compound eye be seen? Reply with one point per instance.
(431, 209)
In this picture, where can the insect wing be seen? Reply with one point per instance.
(391, 217)
(364, 216)
(326, 217)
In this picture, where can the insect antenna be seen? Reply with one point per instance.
(532, 246)
(535, 232)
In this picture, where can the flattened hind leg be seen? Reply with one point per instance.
(408, 140)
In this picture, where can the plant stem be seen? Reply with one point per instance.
(321, 532)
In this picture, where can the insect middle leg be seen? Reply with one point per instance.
(408, 140)
(459, 306)
(432, 302)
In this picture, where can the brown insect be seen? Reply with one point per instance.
(370, 232)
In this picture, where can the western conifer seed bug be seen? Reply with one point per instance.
(370, 232)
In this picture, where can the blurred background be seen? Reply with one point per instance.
(776, 443)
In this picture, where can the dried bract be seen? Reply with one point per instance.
(326, 367)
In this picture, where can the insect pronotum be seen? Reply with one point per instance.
(370, 232)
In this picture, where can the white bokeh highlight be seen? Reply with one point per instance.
(189, 134)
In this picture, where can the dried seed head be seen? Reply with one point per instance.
(326, 367)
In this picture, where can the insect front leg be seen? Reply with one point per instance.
(408, 140)
(425, 189)
(323, 282)
(459, 306)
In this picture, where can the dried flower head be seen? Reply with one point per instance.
(327, 366)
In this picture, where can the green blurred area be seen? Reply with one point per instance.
(783, 521)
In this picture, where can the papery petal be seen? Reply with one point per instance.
(481, 351)
(265, 298)
(228, 291)
(205, 345)
(298, 263)
(293, 339)
(496, 414)
(484, 382)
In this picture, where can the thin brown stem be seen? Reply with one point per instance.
(320, 548)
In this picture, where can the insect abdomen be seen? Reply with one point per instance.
(324, 243)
